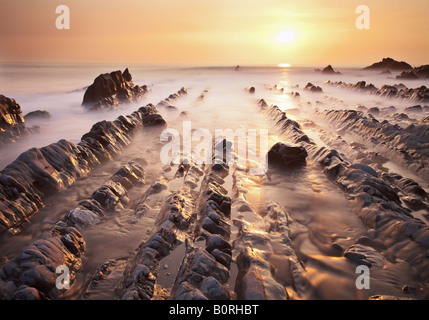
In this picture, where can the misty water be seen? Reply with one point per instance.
(217, 99)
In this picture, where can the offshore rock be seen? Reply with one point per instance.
(38, 114)
(329, 70)
(312, 88)
(111, 89)
(389, 64)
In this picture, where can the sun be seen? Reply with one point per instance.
(286, 36)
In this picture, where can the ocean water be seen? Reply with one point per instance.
(59, 89)
(315, 202)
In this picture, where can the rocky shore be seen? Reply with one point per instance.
(137, 229)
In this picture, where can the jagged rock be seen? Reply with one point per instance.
(312, 88)
(38, 172)
(213, 290)
(329, 70)
(12, 124)
(111, 89)
(422, 72)
(36, 265)
(286, 156)
(407, 75)
(389, 64)
(364, 255)
(414, 109)
(420, 94)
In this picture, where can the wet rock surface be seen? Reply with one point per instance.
(35, 268)
(12, 123)
(40, 171)
(286, 156)
(111, 89)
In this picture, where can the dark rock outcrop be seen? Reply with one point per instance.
(420, 94)
(407, 75)
(389, 64)
(329, 70)
(421, 72)
(286, 156)
(169, 101)
(38, 114)
(12, 124)
(312, 88)
(111, 89)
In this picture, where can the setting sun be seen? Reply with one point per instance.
(285, 36)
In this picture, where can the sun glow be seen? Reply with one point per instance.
(284, 65)
(286, 36)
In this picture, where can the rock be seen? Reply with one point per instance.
(286, 156)
(40, 171)
(34, 269)
(38, 114)
(159, 185)
(409, 289)
(407, 75)
(414, 109)
(400, 116)
(222, 257)
(425, 120)
(400, 86)
(12, 124)
(186, 292)
(365, 168)
(422, 72)
(312, 88)
(217, 242)
(212, 289)
(374, 111)
(329, 70)
(251, 90)
(26, 293)
(389, 64)
(82, 217)
(364, 255)
(111, 89)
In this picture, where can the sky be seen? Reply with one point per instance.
(215, 32)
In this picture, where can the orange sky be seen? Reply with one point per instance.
(215, 32)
